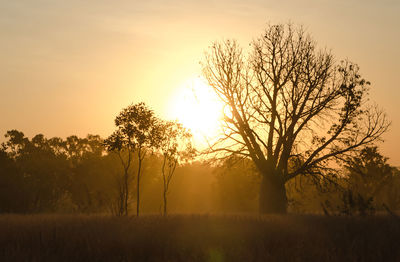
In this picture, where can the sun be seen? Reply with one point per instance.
(198, 108)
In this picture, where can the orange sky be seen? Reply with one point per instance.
(68, 67)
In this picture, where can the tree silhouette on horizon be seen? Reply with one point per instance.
(290, 107)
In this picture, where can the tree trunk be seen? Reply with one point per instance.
(126, 196)
(273, 198)
(138, 187)
(165, 203)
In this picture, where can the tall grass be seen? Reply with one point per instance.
(198, 238)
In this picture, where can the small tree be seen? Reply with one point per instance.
(372, 180)
(122, 143)
(137, 131)
(176, 147)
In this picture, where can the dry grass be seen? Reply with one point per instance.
(198, 238)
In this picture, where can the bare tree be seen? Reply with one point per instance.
(176, 147)
(289, 107)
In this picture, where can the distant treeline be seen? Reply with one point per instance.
(80, 175)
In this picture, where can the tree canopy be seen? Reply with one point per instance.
(137, 132)
(290, 107)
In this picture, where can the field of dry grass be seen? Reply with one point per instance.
(198, 238)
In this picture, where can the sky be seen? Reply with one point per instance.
(69, 67)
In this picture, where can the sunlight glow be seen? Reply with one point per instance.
(198, 108)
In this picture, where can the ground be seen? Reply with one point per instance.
(198, 238)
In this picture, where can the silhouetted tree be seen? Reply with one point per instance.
(137, 131)
(13, 196)
(176, 147)
(55, 174)
(371, 182)
(92, 171)
(286, 100)
(45, 173)
(123, 145)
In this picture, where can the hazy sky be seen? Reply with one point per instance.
(68, 67)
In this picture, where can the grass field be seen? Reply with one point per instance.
(198, 238)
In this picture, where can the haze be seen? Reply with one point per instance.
(68, 67)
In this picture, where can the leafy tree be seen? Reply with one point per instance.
(288, 101)
(45, 173)
(16, 142)
(371, 182)
(92, 173)
(123, 145)
(13, 197)
(51, 175)
(176, 147)
(137, 132)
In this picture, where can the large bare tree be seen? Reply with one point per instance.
(290, 107)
